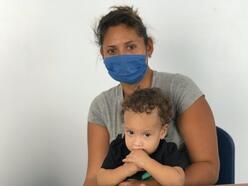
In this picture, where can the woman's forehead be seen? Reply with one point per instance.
(120, 34)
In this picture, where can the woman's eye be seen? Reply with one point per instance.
(111, 51)
(131, 47)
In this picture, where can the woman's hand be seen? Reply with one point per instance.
(132, 182)
(150, 182)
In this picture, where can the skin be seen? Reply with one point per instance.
(143, 133)
(196, 124)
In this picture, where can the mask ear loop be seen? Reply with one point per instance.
(146, 61)
(146, 58)
(137, 86)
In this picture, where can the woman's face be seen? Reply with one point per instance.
(122, 40)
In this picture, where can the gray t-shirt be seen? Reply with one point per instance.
(106, 108)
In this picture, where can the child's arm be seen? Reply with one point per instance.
(112, 177)
(165, 175)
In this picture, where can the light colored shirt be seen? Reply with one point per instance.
(182, 91)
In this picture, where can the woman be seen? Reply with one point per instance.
(125, 48)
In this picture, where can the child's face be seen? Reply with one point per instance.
(143, 131)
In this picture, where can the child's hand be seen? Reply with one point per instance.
(131, 168)
(138, 157)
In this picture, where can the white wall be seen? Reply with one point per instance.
(50, 70)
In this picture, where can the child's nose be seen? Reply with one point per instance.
(138, 144)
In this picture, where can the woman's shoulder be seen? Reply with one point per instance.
(180, 88)
(166, 76)
(173, 81)
(169, 82)
(108, 95)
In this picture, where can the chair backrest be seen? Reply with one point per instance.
(227, 157)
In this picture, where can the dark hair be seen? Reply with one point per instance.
(120, 15)
(146, 100)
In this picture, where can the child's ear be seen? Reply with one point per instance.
(164, 130)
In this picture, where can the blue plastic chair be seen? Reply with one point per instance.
(227, 157)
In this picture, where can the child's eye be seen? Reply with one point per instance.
(147, 135)
(129, 132)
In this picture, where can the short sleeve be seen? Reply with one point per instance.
(115, 154)
(95, 114)
(184, 92)
(110, 160)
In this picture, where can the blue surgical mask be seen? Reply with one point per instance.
(128, 69)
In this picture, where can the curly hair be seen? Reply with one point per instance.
(120, 15)
(146, 100)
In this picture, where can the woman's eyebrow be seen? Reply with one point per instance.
(126, 43)
(111, 46)
(129, 42)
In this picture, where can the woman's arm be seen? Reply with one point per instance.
(151, 181)
(98, 144)
(198, 130)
